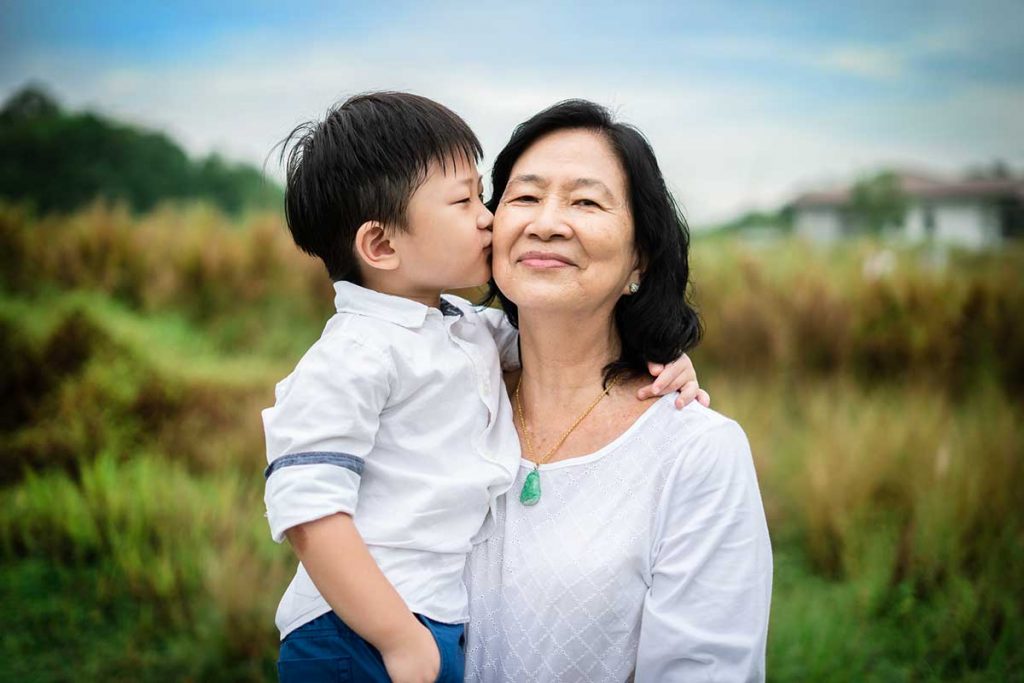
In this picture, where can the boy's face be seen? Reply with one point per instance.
(447, 244)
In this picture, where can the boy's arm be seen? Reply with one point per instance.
(319, 432)
(341, 567)
(506, 337)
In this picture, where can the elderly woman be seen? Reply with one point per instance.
(633, 543)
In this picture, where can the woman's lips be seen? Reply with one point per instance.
(537, 259)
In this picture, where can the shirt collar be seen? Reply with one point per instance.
(351, 298)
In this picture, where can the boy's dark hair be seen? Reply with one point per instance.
(363, 162)
(657, 324)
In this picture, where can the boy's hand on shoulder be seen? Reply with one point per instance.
(414, 660)
(679, 375)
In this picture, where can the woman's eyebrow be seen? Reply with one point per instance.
(531, 178)
(591, 182)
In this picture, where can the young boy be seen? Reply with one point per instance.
(393, 436)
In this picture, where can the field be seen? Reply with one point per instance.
(881, 389)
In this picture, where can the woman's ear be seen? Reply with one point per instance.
(633, 282)
(374, 247)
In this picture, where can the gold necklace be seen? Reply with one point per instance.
(530, 493)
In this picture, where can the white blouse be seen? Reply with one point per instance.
(649, 558)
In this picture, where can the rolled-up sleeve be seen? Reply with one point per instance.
(320, 430)
(705, 616)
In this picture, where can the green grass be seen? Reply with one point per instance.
(147, 571)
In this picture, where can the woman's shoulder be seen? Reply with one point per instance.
(696, 437)
(707, 463)
(694, 422)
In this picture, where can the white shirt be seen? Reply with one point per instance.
(397, 416)
(648, 558)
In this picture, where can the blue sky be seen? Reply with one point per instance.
(746, 103)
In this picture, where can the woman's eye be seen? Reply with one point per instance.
(587, 202)
(524, 198)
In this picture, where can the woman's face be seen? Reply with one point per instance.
(563, 230)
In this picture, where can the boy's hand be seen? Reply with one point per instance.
(414, 660)
(678, 375)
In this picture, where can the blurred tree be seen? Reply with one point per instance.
(58, 161)
(997, 170)
(878, 202)
(780, 221)
(31, 102)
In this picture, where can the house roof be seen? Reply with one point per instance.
(920, 186)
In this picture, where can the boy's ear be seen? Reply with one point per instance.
(374, 247)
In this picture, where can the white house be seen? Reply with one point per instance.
(970, 213)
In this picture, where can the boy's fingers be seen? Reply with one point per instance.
(655, 368)
(704, 398)
(687, 394)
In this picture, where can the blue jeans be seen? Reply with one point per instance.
(325, 649)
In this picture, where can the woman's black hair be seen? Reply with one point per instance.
(657, 323)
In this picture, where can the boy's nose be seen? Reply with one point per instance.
(485, 219)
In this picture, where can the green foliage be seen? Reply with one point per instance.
(59, 161)
(752, 223)
(878, 202)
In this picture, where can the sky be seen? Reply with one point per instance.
(746, 103)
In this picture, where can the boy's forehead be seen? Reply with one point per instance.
(456, 169)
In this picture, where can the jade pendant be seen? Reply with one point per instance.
(530, 493)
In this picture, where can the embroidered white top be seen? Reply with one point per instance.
(649, 558)
(398, 416)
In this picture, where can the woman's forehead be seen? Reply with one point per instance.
(577, 157)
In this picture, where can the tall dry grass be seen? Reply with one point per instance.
(244, 281)
(864, 310)
(880, 390)
(905, 495)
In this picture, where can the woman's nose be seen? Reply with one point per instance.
(549, 222)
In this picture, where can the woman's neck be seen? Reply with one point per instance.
(563, 356)
(563, 359)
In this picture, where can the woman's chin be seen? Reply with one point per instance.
(543, 296)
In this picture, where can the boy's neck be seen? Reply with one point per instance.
(433, 299)
(426, 296)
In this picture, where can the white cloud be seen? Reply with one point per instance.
(726, 144)
(867, 61)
